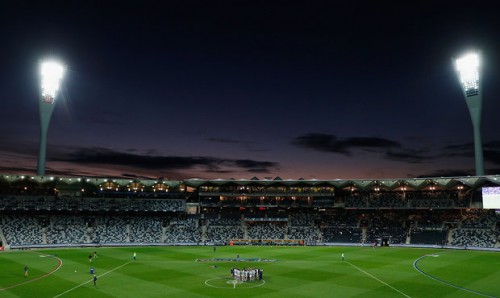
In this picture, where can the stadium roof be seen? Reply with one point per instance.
(364, 184)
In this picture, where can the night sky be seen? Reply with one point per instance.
(237, 89)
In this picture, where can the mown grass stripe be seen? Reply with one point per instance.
(445, 282)
(377, 279)
(36, 278)
(82, 284)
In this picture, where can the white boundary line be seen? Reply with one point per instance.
(379, 280)
(82, 284)
(445, 282)
(59, 265)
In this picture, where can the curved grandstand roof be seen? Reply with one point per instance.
(365, 184)
(415, 183)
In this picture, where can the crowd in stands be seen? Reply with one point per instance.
(109, 229)
(266, 230)
(66, 229)
(183, 230)
(402, 200)
(387, 226)
(342, 234)
(22, 229)
(308, 234)
(222, 234)
(474, 237)
(220, 229)
(455, 227)
(422, 236)
(146, 229)
(52, 203)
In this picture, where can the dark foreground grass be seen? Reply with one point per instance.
(296, 272)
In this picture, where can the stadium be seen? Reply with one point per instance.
(114, 237)
(86, 233)
(397, 236)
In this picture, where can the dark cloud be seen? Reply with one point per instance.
(134, 176)
(249, 146)
(17, 170)
(67, 172)
(393, 150)
(447, 173)
(330, 143)
(389, 149)
(492, 171)
(459, 147)
(27, 147)
(492, 156)
(103, 156)
(223, 140)
(255, 166)
(462, 150)
(409, 156)
(492, 145)
(491, 151)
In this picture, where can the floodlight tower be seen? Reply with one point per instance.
(468, 70)
(51, 73)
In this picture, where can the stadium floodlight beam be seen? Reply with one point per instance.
(468, 70)
(51, 74)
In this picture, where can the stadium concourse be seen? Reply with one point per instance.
(80, 211)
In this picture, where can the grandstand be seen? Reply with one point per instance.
(67, 211)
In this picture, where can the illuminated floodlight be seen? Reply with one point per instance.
(468, 73)
(468, 69)
(52, 74)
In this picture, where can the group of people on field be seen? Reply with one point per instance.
(246, 274)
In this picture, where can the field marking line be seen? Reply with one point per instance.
(445, 282)
(377, 279)
(233, 282)
(161, 261)
(59, 265)
(82, 284)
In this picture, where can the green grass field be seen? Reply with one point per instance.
(296, 272)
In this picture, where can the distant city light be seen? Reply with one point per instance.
(468, 73)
